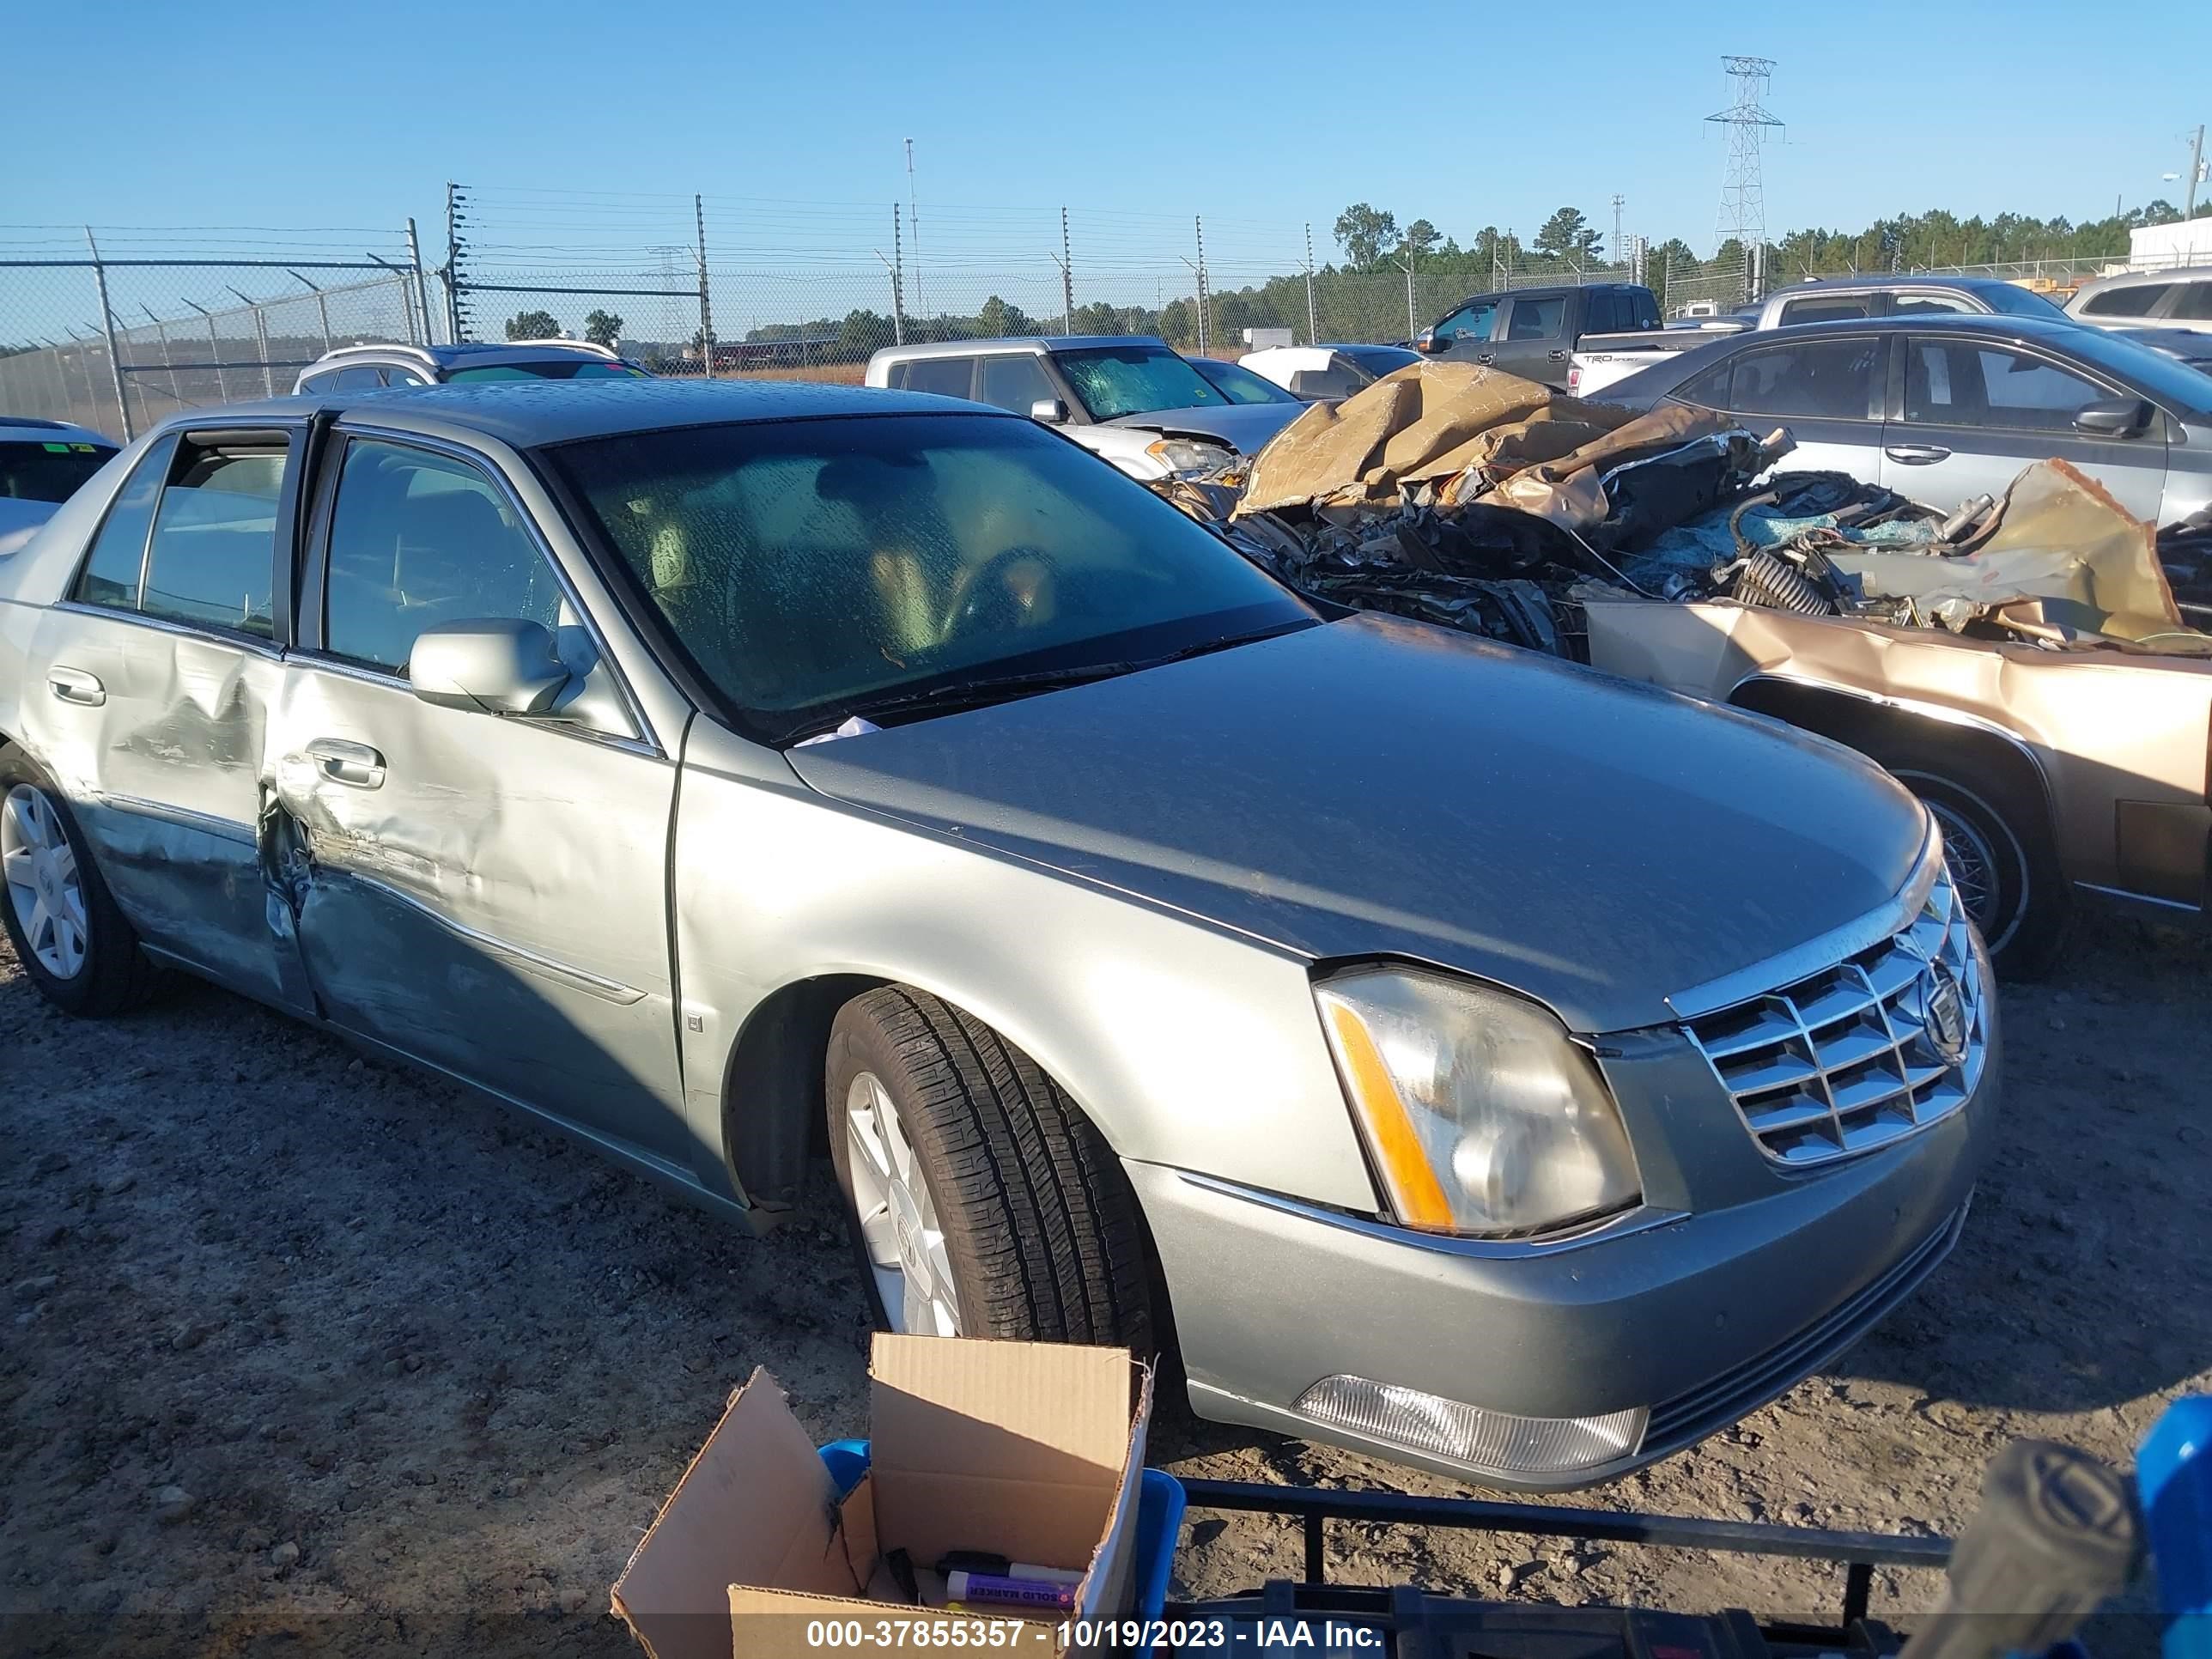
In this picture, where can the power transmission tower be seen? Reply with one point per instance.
(1743, 197)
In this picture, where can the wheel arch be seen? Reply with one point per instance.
(1862, 720)
(772, 1087)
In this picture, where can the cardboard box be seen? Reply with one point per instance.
(1026, 1450)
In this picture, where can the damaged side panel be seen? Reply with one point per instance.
(159, 748)
(2121, 743)
(486, 895)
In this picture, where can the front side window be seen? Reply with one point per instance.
(43, 471)
(419, 538)
(2136, 302)
(1814, 380)
(112, 575)
(1013, 382)
(1537, 320)
(211, 561)
(1112, 381)
(1992, 386)
(810, 566)
(1911, 304)
(1470, 323)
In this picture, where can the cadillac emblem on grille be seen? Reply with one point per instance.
(1946, 1027)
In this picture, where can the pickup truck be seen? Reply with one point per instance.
(1534, 332)
(1599, 360)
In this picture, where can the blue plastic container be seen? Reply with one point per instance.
(1159, 1524)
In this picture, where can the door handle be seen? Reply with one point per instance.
(1917, 454)
(75, 685)
(1486, 357)
(1558, 356)
(354, 764)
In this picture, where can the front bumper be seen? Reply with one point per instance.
(1697, 1318)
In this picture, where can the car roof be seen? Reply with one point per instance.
(1014, 342)
(1883, 284)
(30, 428)
(530, 414)
(2144, 278)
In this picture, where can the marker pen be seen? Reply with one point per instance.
(1009, 1591)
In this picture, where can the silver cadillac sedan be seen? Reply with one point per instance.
(1454, 1054)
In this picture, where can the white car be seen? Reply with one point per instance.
(1315, 372)
(42, 464)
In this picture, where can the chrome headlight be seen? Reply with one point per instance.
(1481, 1117)
(1189, 455)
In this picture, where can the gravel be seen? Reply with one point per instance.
(310, 1355)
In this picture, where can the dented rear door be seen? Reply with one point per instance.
(483, 893)
(157, 676)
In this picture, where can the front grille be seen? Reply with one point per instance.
(1736, 1393)
(1859, 1054)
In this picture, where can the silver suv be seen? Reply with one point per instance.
(363, 367)
(1132, 399)
(1459, 1055)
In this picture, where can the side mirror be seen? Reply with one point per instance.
(503, 667)
(1051, 411)
(1428, 345)
(2115, 417)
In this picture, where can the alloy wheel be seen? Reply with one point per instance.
(899, 1221)
(43, 883)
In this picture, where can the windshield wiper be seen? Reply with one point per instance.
(952, 695)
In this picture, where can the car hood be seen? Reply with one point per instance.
(1244, 428)
(1380, 787)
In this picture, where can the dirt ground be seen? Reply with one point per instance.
(306, 1355)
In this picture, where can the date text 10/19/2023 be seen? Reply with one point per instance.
(1163, 1635)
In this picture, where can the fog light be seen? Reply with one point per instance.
(1497, 1441)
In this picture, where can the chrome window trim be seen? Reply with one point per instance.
(1637, 1219)
(529, 961)
(1788, 967)
(641, 728)
(267, 649)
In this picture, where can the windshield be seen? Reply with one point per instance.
(1134, 380)
(811, 567)
(549, 368)
(2186, 391)
(44, 471)
(2017, 301)
(1240, 385)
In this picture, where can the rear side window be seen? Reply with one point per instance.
(948, 377)
(118, 553)
(1537, 320)
(212, 559)
(1913, 305)
(1816, 379)
(357, 378)
(2136, 302)
(2194, 305)
(1841, 308)
(1603, 317)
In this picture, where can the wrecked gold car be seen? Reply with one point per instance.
(2023, 666)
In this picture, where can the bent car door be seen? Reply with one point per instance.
(159, 673)
(482, 891)
(1977, 411)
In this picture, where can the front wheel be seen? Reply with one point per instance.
(982, 1203)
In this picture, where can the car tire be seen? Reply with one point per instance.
(1008, 1198)
(2003, 864)
(87, 963)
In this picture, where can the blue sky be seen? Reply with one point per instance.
(1136, 118)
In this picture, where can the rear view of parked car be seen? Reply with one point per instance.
(42, 464)
(712, 770)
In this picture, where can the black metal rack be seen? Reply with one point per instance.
(1858, 1552)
